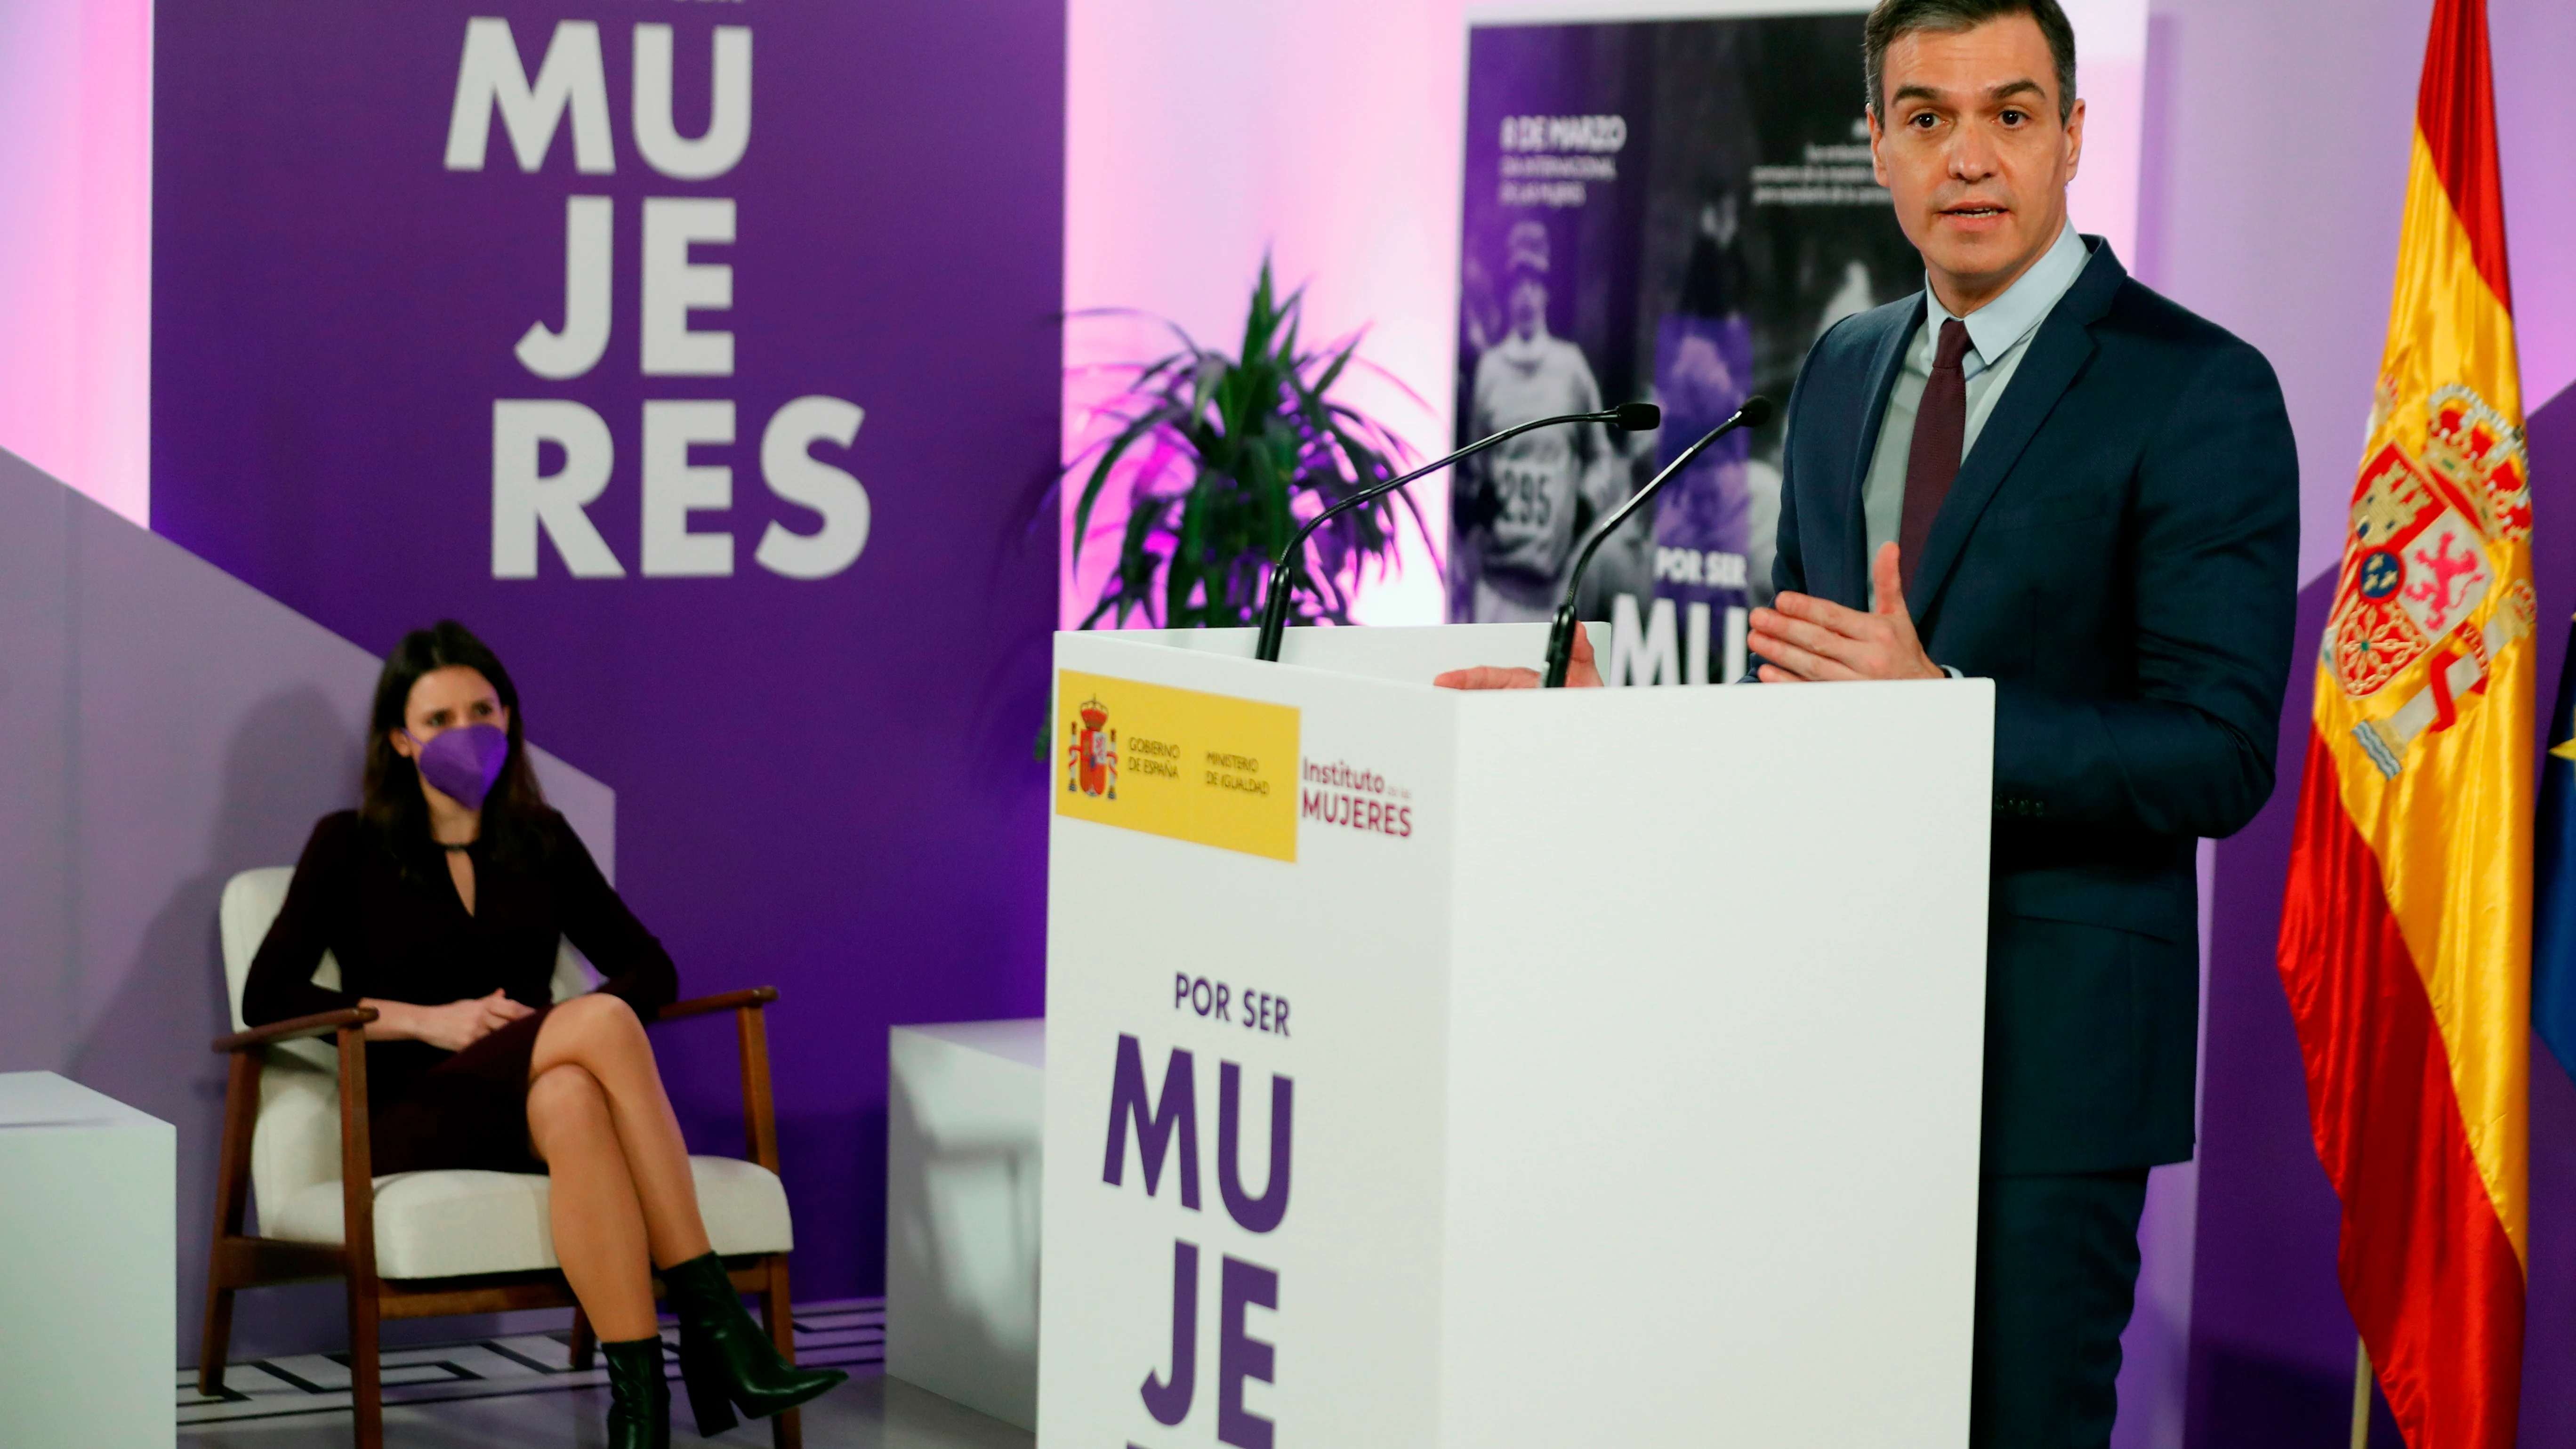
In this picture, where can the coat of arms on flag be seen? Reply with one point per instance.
(2418, 564)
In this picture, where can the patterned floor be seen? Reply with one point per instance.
(847, 1334)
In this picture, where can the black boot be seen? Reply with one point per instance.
(725, 1359)
(639, 1397)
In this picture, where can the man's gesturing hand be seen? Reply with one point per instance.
(1579, 671)
(1806, 638)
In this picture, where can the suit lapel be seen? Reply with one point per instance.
(2056, 355)
(1885, 362)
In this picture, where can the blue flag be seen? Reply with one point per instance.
(2553, 869)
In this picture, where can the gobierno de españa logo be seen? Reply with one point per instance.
(1179, 762)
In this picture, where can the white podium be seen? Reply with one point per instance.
(1529, 1068)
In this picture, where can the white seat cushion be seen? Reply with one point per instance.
(449, 1223)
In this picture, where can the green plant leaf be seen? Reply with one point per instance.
(1221, 456)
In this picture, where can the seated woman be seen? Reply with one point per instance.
(443, 896)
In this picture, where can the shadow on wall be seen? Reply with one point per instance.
(293, 759)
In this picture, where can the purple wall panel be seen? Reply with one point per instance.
(2271, 1342)
(2549, 1343)
(823, 784)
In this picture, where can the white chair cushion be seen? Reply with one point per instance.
(297, 1142)
(449, 1223)
(250, 905)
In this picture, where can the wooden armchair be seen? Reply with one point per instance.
(429, 1244)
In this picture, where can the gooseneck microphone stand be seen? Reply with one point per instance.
(1560, 637)
(1632, 417)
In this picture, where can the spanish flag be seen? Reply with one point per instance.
(2406, 931)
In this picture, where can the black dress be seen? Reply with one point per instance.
(392, 917)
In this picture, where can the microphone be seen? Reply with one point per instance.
(1754, 413)
(1634, 417)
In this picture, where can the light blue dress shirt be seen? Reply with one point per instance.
(1999, 335)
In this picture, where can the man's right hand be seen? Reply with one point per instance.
(1579, 672)
(452, 1027)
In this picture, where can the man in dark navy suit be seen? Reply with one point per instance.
(2039, 472)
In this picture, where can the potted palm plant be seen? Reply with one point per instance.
(1222, 458)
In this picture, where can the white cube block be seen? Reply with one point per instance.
(965, 1119)
(88, 1281)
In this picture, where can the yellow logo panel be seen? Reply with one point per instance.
(1208, 768)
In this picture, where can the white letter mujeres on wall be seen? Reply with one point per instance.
(527, 504)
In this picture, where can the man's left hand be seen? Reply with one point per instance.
(1580, 672)
(1803, 638)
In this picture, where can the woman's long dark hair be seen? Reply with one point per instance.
(390, 798)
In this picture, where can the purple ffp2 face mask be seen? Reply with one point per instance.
(463, 762)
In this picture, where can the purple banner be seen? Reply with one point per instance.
(702, 357)
(1662, 210)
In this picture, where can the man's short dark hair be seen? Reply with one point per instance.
(1893, 19)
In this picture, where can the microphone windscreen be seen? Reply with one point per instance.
(1637, 417)
(1756, 411)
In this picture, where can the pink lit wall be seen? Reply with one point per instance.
(75, 243)
(1198, 135)
(2275, 170)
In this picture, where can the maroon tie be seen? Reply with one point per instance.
(1940, 435)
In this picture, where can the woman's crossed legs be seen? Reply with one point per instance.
(623, 1201)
